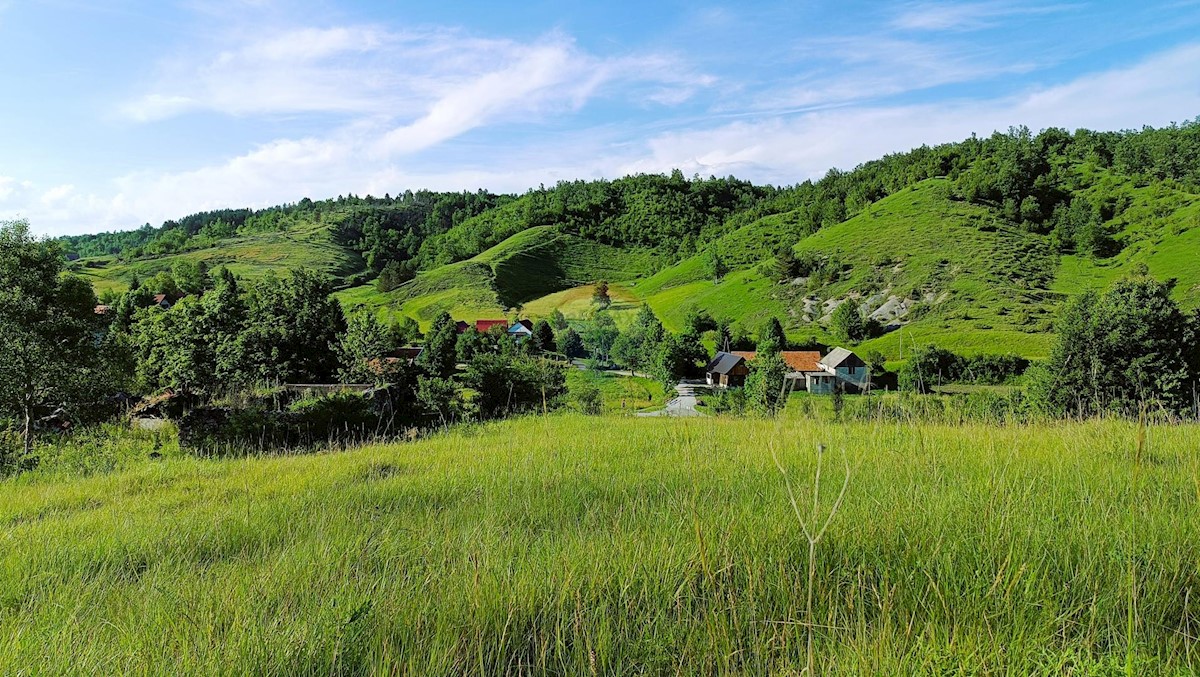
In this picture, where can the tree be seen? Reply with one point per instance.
(543, 338)
(715, 266)
(226, 313)
(403, 332)
(1127, 348)
(471, 343)
(47, 321)
(439, 395)
(847, 323)
(191, 276)
(440, 356)
(362, 348)
(675, 357)
(785, 264)
(176, 349)
(570, 343)
(635, 347)
(598, 338)
(771, 336)
(558, 320)
(293, 326)
(600, 295)
(929, 366)
(766, 383)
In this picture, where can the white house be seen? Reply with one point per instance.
(840, 367)
(521, 330)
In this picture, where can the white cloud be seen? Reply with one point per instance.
(553, 75)
(944, 15)
(57, 194)
(367, 71)
(1160, 90)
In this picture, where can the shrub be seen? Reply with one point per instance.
(588, 399)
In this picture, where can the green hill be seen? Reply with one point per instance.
(309, 245)
(531, 264)
(971, 245)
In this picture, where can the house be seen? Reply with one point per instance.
(727, 370)
(841, 368)
(407, 354)
(483, 326)
(461, 326)
(165, 301)
(521, 330)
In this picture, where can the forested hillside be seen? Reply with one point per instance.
(973, 243)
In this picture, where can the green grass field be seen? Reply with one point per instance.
(621, 394)
(577, 545)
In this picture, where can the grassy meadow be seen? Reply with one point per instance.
(580, 545)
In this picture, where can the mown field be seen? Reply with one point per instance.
(575, 545)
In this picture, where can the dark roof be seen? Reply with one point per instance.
(841, 357)
(407, 352)
(723, 363)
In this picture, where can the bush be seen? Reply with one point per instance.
(588, 399)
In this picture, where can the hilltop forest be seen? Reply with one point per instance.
(974, 244)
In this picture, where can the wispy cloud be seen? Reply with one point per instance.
(446, 81)
(844, 70)
(948, 15)
(787, 149)
(782, 149)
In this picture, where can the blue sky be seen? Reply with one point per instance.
(120, 113)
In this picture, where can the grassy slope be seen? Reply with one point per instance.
(1160, 228)
(658, 546)
(621, 394)
(989, 279)
(522, 268)
(306, 246)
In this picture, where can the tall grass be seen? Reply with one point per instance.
(584, 545)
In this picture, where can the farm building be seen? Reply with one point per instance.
(840, 368)
(806, 368)
(521, 330)
(726, 370)
(483, 326)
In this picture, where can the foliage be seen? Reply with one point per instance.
(507, 384)
(771, 337)
(47, 321)
(675, 357)
(543, 340)
(600, 295)
(635, 348)
(440, 356)
(362, 348)
(766, 383)
(571, 344)
(599, 337)
(588, 399)
(1126, 349)
(441, 396)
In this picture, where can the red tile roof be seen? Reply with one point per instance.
(484, 325)
(796, 360)
(802, 360)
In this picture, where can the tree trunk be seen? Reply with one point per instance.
(28, 436)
